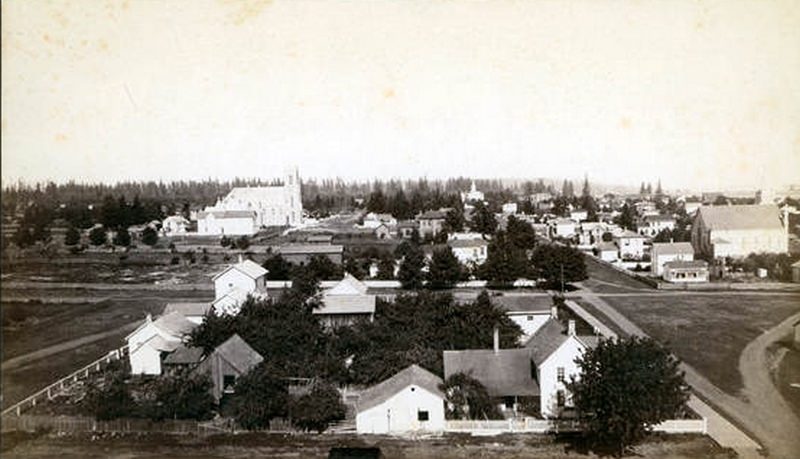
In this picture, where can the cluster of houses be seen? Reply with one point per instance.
(524, 381)
(530, 380)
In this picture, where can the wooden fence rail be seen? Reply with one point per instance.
(64, 383)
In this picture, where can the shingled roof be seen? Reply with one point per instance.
(248, 267)
(385, 389)
(520, 303)
(505, 372)
(238, 353)
(672, 248)
(744, 217)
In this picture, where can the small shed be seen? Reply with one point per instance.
(227, 363)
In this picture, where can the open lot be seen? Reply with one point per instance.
(306, 446)
(708, 332)
(605, 279)
(31, 327)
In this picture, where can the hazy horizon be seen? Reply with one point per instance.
(699, 94)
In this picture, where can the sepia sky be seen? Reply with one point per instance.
(702, 94)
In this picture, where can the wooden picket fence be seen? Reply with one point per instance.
(64, 383)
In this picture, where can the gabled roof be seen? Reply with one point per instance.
(672, 248)
(247, 267)
(565, 221)
(467, 243)
(238, 353)
(188, 309)
(184, 355)
(549, 337)
(440, 214)
(523, 304)
(349, 285)
(745, 217)
(235, 294)
(505, 372)
(627, 234)
(607, 247)
(346, 304)
(658, 218)
(416, 375)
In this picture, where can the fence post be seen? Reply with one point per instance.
(97, 367)
(49, 394)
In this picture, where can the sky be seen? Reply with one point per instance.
(699, 94)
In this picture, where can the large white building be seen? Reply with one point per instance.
(662, 253)
(153, 339)
(271, 206)
(738, 231)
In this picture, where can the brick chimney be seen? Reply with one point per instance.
(496, 336)
(554, 312)
(571, 328)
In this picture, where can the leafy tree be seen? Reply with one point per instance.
(242, 243)
(113, 399)
(225, 241)
(625, 388)
(122, 238)
(150, 236)
(213, 331)
(520, 233)
(259, 397)
(305, 282)
(627, 217)
(386, 268)
(324, 268)
(607, 237)
(483, 220)
(410, 273)
(355, 267)
(555, 263)
(98, 236)
(278, 268)
(454, 220)
(377, 201)
(505, 262)
(184, 395)
(467, 398)
(72, 237)
(318, 408)
(444, 270)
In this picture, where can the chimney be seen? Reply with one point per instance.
(240, 258)
(496, 335)
(554, 312)
(571, 328)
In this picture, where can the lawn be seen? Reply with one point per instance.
(787, 372)
(320, 446)
(708, 332)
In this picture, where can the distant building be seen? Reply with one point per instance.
(796, 272)
(510, 208)
(174, 225)
(373, 220)
(607, 251)
(631, 245)
(469, 251)
(737, 231)
(154, 339)
(686, 271)
(271, 206)
(301, 254)
(651, 225)
(529, 312)
(563, 227)
(235, 283)
(408, 402)
(226, 223)
(406, 228)
(431, 222)
(662, 253)
(382, 231)
(579, 215)
(345, 303)
(473, 195)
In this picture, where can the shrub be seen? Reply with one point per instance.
(317, 409)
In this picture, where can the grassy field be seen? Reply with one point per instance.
(604, 279)
(320, 446)
(31, 326)
(708, 332)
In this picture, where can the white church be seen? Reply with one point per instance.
(245, 210)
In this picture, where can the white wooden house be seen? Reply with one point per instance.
(408, 402)
(154, 339)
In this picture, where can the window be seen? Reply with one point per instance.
(228, 381)
(508, 402)
(560, 398)
(422, 415)
(560, 374)
(530, 318)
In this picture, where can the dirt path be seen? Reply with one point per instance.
(21, 360)
(782, 425)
